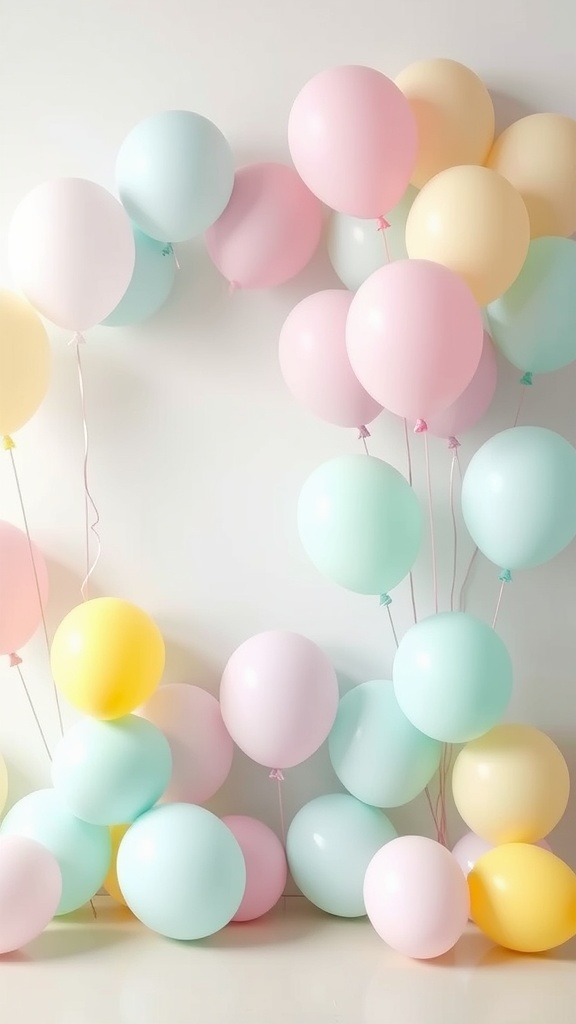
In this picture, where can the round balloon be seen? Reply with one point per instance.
(358, 247)
(266, 867)
(152, 281)
(465, 412)
(25, 362)
(23, 588)
(30, 890)
(110, 883)
(3, 783)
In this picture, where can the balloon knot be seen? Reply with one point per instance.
(15, 660)
(363, 432)
(505, 576)
(421, 427)
(453, 443)
(382, 223)
(527, 379)
(233, 287)
(168, 250)
(8, 442)
(385, 600)
(276, 773)
(77, 339)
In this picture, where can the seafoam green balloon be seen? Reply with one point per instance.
(152, 281)
(357, 248)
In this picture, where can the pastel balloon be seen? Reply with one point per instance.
(279, 696)
(110, 883)
(358, 247)
(376, 752)
(266, 866)
(23, 588)
(360, 523)
(470, 848)
(30, 890)
(315, 364)
(152, 281)
(3, 783)
(330, 844)
(353, 140)
(474, 401)
(269, 230)
(414, 336)
(71, 251)
(175, 173)
(519, 497)
(25, 362)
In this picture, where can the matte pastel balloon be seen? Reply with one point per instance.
(266, 866)
(202, 749)
(358, 247)
(471, 847)
(152, 281)
(110, 883)
(25, 362)
(414, 337)
(270, 229)
(72, 251)
(353, 140)
(30, 890)
(175, 173)
(3, 783)
(279, 696)
(315, 364)
(330, 844)
(473, 402)
(23, 576)
(519, 497)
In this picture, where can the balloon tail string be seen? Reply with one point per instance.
(454, 529)
(89, 503)
(525, 381)
(281, 812)
(392, 626)
(432, 812)
(94, 914)
(498, 603)
(410, 478)
(466, 580)
(431, 518)
(365, 443)
(16, 665)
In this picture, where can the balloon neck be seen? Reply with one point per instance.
(276, 774)
(420, 427)
(233, 287)
(385, 600)
(77, 339)
(527, 379)
(8, 443)
(363, 432)
(169, 250)
(382, 223)
(505, 576)
(453, 444)
(15, 660)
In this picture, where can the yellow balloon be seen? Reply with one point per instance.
(107, 657)
(454, 114)
(523, 898)
(511, 785)
(3, 784)
(473, 221)
(25, 362)
(538, 156)
(110, 884)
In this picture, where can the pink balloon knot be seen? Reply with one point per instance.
(15, 660)
(420, 427)
(453, 443)
(233, 287)
(276, 774)
(382, 223)
(77, 339)
(363, 432)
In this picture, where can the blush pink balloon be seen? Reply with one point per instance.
(22, 580)
(266, 866)
(353, 140)
(471, 847)
(474, 400)
(270, 229)
(30, 890)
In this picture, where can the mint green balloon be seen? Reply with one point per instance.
(357, 248)
(360, 523)
(152, 281)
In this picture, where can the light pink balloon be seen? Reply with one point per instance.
(315, 364)
(471, 847)
(417, 897)
(20, 608)
(72, 251)
(414, 337)
(474, 401)
(266, 866)
(279, 697)
(353, 140)
(30, 890)
(202, 750)
(270, 229)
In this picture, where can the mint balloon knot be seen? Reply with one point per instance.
(505, 576)
(453, 444)
(385, 600)
(420, 427)
(363, 432)
(527, 379)
(168, 250)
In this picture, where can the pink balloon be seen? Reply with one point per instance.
(266, 866)
(414, 337)
(417, 897)
(202, 750)
(30, 890)
(270, 229)
(353, 140)
(471, 847)
(315, 364)
(20, 608)
(279, 697)
(474, 401)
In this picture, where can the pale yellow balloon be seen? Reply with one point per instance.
(454, 114)
(511, 785)
(25, 362)
(3, 784)
(538, 156)
(474, 222)
(117, 833)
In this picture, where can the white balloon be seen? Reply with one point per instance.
(357, 248)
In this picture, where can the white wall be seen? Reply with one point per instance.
(198, 452)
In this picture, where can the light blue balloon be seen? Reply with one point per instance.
(109, 773)
(376, 752)
(181, 871)
(151, 284)
(330, 844)
(519, 497)
(360, 523)
(357, 248)
(452, 677)
(83, 851)
(175, 174)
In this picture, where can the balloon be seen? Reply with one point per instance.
(376, 752)
(330, 843)
(22, 578)
(471, 220)
(266, 867)
(270, 229)
(519, 497)
(110, 883)
(181, 871)
(108, 773)
(471, 847)
(72, 251)
(279, 695)
(107, 657)
(3, 783)
(30, 890)
(202, 750)
(454, 114)
(353, 140)
(151, 284)
(414, 337)
(452, 677)
(417, 897)
(25, 362)
(315, 365)
(473, 402)
(360, 523)
(511, 785)
(358, 247)
(82, 850)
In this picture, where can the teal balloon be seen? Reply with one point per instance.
(152, 281)
(377, 754)
(83, 851)
(357, 248)
(452, 677)
(181, 871)
(360, 523)
(534, 322)
(519, 497)
(109, 773)
(330, 844)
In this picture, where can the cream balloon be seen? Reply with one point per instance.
(25, 362)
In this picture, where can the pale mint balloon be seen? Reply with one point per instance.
(452, 677)
(360, 523)
(357, 247)
(330, 844)
(377, 754)
(519, 497)
(151, 284)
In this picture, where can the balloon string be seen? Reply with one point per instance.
(431, 518)
(454, 528)
(363, 435)
(498, 603)
(90, 527)
(432, 812)
(410, 477)
(15, 663)
(276, 774)
(392, 626)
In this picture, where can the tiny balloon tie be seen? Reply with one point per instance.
(169, 250)
(276, 775)
(505, 576)
(453, 444)
(385, 600)
(233, 287)
(8, 443)
(420, 427)
(527, 379)
(382, 223)
(363, 432)
(15, 660)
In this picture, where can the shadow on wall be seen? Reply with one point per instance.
(508, 109)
